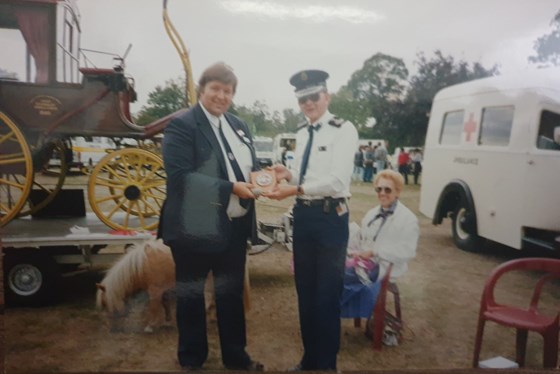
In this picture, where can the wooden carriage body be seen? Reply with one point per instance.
(99, 106)
(59, 99)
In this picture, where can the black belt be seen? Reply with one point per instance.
(320, 202)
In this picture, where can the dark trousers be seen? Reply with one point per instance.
(417, 171)
(403, 169)
(368, 173)
(320, 241)
(228, 269)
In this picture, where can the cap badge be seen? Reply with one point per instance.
(303, 76)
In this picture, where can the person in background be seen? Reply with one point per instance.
(207, 218)
(290, 156)
(321, 182)
(358, 164)
(369, 163)
(416, 164)
(404, 164)
(388, 234)
(380, 157)
(283, 153)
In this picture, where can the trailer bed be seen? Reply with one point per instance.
(42, 232)
(37, 251)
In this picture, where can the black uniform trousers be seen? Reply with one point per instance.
(320, 241)
(228, 269)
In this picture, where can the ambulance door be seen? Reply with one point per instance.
(542, 176)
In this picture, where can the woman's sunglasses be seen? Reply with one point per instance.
(387, 190)
(313, 97)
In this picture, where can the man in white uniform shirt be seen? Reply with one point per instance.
(321, 180)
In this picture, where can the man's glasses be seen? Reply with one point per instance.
(313, 97)
(387, 190)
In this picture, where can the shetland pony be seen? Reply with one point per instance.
(148, 267)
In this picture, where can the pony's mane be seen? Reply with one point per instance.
(121, 279)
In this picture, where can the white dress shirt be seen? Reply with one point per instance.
(331, 160)
(242, 154)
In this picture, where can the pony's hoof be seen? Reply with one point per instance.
(148, 329)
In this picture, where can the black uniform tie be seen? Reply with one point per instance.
(307, 152)
(233, 162)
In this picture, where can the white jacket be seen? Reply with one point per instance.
(396, 241)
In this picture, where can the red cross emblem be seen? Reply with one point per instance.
(470, 127)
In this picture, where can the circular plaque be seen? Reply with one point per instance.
(264, 179)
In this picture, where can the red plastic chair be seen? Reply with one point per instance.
(382, 316)
(524, 320)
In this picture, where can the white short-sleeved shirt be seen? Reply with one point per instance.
(331, 160)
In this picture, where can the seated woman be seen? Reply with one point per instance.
(388, 234)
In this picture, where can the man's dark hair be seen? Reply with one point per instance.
(218, 72)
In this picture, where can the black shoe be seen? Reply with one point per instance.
(252, 366)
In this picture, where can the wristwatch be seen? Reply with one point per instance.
(299, 189)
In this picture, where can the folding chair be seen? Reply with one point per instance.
(382, 317)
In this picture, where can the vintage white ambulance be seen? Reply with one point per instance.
(492, 161)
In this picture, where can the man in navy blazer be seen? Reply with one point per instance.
(207, 218)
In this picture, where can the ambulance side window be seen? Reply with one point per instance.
(452, 128)
(495, 127)
(545, 140)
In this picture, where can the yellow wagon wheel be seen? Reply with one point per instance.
(150, 146)
(16, 170)
(126, 189)
(47, 181)
(134, 210)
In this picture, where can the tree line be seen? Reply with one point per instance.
(382, 91)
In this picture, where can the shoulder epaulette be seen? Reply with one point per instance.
(301, 126)
(336, 122)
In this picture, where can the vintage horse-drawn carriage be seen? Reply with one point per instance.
(60, 99)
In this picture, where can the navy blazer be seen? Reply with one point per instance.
(198, 188)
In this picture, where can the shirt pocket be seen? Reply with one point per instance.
(323, 150)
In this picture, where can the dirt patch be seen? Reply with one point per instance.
(440, 299)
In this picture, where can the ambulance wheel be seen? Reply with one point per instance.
(30, 277)
(465, 235)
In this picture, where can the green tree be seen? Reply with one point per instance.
(261, 115)
(547, 46)
(357, 111)
(433, 74)
(292, 120)
(381, 77)
(163, 101)
(373, 91)
(260, 121)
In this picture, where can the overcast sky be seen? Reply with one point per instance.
(266, 41)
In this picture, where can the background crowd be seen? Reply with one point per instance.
(371, 159)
